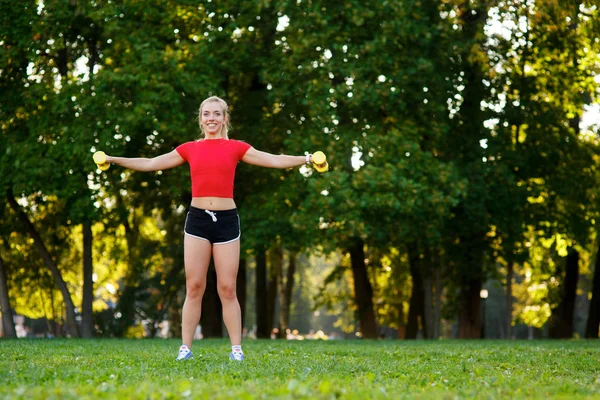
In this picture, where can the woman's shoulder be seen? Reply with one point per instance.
(191, 142)
(239, 142)
(186, 145)
(221, 141)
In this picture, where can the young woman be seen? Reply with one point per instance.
(212, 226)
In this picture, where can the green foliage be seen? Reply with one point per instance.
(357, 104)
(440, 136)
(128, 369)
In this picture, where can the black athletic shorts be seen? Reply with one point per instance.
(217, 227)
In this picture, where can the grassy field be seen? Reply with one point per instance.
(145, 369)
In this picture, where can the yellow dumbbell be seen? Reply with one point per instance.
(100, 160)
(320, 161)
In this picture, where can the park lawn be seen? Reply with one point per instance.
(353, 369)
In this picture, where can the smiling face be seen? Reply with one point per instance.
(213, 119)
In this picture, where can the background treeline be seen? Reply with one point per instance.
(453, 128)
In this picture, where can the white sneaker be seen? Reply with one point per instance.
(184, 353)
(236, 356)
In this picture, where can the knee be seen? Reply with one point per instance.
(227, 291)
(195, 289)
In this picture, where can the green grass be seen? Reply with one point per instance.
(145, 369)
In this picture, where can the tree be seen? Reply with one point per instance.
(285, 294)
(593, 320)
(561, 323)
(8, 323)
(542, 138)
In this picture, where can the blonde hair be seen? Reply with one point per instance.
(225, 108)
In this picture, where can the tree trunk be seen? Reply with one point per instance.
(427, 308)
(562, 320)
(363, 292)
(241, 288)
(276, 258)
(70, 322)
(593, 322)
(87, 313)
(427, 318)
(87, 322)
(127, 290)
(416, 310)
(469, 318)
(415, 307)
(471, 116)
(54, 325)
(286, 297)
(509, 300)
(437, 310)
(8, 324)
(262, 320)
(212, 310)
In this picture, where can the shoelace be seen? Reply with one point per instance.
(212, 215)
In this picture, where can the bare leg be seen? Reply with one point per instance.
(196, 258)
(227, 260)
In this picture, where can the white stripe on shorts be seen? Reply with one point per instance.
(197, 237)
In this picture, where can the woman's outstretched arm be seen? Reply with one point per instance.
(263, 159)
(161, 162)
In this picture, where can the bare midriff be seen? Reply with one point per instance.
(213, 203)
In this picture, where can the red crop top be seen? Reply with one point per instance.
(212, 165)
